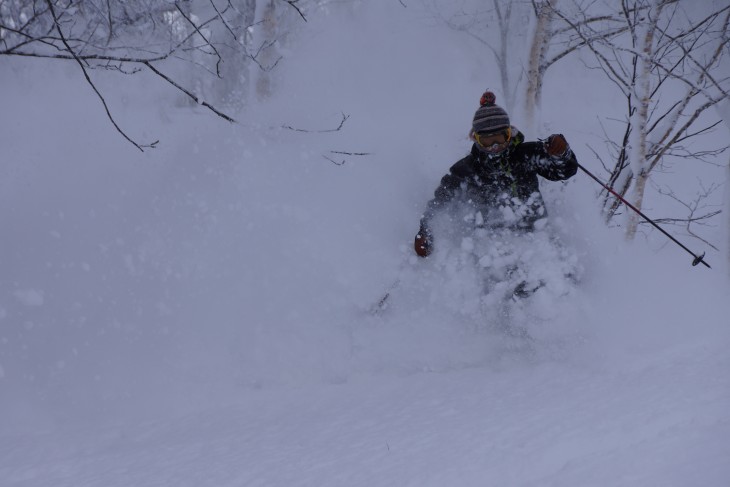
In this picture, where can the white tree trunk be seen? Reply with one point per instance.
(536, 62)
(641, 92)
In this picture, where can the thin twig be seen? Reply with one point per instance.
(346, 154)
(292, 3)
(342, 123)
(223, 20)
(351, 153)
(335, 162)
(197, 29)
(255, 57)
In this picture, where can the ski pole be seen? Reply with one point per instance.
(697, 258)
(383, 302)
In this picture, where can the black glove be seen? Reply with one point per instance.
(424, 242)
(556, 145)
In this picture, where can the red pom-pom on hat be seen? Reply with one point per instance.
(488, 99)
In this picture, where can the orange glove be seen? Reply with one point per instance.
(423, 243)
(556, 145)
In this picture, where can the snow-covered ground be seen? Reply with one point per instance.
(199, 315)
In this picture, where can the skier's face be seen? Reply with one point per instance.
(492, 143)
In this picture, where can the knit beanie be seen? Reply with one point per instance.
(489, 118)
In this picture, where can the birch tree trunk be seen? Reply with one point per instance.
(641, 91)
(668, 61)
(232, 89)
(536, 61)
(269, 53)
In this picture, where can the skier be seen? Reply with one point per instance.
(498, 179)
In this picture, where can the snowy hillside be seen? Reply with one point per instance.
(199, 314)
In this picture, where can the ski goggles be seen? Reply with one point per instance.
(493, 143)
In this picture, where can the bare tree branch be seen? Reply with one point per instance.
(141, 147)
(84, 37)
(189, 94)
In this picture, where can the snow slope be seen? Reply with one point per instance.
(515, 424)
(198, 315)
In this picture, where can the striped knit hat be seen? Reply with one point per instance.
(489, 118)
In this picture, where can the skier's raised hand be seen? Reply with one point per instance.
(556, 145)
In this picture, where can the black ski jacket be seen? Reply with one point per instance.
(504, 190)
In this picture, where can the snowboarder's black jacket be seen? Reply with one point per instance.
(504, 190)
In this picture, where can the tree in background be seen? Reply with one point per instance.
(526, 38)
(202, 48)
(668, 63)
(234, 42)
(270, 56)
(665, 56)
(499, 26)
(552, 39)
